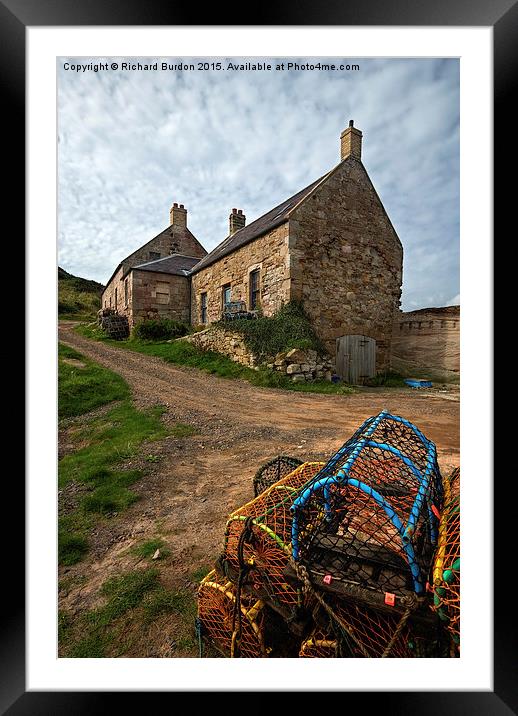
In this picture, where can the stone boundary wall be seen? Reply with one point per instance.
(299, 365)
(228, 343)
(429, 338)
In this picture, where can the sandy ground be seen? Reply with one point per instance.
(187, 495)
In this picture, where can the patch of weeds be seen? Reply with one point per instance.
(72, 539)
(80, 390)
(147, 549)
(181, 430)
(163, 601)
(199, 574)
(70, 581)
(92, 646)
(289, 328)
(134, 601)
(186, 643)
(113, 436)
(153, 458)
(64, 625)
(109, 498)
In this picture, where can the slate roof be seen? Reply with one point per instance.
(165, 231)
(176, 264)
(273, 218)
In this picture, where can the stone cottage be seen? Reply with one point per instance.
(154, 279)
(330, 245)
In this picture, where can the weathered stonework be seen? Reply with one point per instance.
(228, 343)
(303, 365)
(428, 338)
(175, 239)
(310, 365)
(346, 260)
(150, 290)
(268, 253)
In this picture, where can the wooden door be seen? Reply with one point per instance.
(355, 358)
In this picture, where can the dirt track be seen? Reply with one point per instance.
(187, 495)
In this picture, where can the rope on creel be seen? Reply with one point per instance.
(308, 586)
(244, 568)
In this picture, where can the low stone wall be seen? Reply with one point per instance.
(299, 365)
(303, 365)
(228, 343)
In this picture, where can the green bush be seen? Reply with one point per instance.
(159, 329)
(288, 328)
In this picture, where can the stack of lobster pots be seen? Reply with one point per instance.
(357, 557)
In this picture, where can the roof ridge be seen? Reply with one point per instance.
(248, 233)
(164, 258)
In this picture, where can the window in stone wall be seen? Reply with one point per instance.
(203, 303)
(162, 292)
(225, 294)
(154, 255)
(115, 299)
(126, 292)
(254, 290)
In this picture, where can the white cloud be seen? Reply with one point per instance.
(132, 143)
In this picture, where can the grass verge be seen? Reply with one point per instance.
(185, 354)
(84, 385)
(134, 601)
(90, 479)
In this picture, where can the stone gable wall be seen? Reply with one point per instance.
(268, 253)
(142, 298)
(173, 240)
(145, 303)
(346, 261)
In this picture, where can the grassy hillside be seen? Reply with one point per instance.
(78, 298)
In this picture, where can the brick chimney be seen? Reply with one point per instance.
(351, 142)
(236, 221)
(178, 216)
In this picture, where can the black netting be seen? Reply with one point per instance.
(272, 471)
(369, 519)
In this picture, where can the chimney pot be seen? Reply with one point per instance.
(351, 123)
(236, 221)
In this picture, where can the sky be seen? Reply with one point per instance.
(132, 142)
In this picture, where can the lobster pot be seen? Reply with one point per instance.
(446, 568)
(231, 632)
(320, 644)
(257, 542)
(273, 471)
(369, 519)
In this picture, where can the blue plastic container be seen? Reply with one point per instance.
(415, 383)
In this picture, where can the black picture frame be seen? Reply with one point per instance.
(15, 17)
